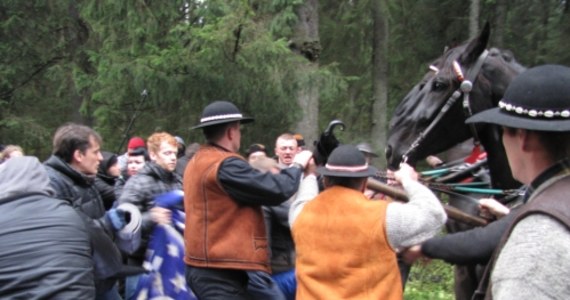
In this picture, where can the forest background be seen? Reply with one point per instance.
(294, 65)
(135, 67)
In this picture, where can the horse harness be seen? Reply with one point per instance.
(465, 87)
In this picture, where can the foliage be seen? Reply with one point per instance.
(88, 61)
(430, 281)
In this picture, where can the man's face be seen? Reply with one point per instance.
(134, 164)
(256, 155)
(235, 132)
(166, 156)
(286, 150)
(87, 162)
(511, 144)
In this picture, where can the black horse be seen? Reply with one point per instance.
(431, 118)
(490, 72)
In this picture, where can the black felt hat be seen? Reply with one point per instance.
(347, 161)
(537, 99)
(220, 112)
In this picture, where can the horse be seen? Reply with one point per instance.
(431, 118)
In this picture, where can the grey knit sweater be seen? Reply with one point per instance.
(407, 224)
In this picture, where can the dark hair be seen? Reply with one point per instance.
(70, 137)
(556, 144)
(215, 132)
(348, 182)
(140, 151)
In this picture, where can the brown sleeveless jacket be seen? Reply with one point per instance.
(220, 233)
(343, 250)
(547, 200)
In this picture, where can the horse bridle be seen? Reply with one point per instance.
(465, 87)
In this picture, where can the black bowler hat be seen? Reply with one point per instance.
(347, 161)
(220, 112)
(537, 99)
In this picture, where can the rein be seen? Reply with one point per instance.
(465, 88)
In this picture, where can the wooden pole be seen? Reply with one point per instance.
(451, 211)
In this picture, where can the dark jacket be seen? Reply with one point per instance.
(474, 246)
(280, 238)
(45, 251)
(104, 182)
(140, 190)
(80, 191)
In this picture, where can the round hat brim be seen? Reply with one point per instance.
(371, 171)
(244, 120)
(498, 117)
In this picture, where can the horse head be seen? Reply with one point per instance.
(489, 72)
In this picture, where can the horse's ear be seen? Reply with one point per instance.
(475, 47)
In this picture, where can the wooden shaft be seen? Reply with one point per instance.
(398, 194)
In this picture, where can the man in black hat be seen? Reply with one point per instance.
(533, 259)
(346, 243)
(225, 232)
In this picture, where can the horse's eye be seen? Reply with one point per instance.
(438, 86)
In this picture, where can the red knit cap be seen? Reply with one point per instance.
(136, 142)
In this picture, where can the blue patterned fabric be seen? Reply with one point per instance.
(164, 255)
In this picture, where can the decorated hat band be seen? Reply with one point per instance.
(221, 117)
(534, 113)
(347, 169)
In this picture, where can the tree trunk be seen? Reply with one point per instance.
(474, 18)
(306, 42)
(379, 78)
(498, 27)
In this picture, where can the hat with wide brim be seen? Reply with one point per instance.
(537, 99)
(220, 112)
(347, 161)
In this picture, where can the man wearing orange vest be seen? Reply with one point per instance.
(225, 233)
(346, 243)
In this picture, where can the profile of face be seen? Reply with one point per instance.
(513, 148)
(114, 170)
(87, 162)
(235, 136)
(166, 156)
(256, 156)
(286, 149)
(134, 164)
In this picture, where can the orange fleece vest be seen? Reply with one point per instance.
(342, 248)
(220, 233)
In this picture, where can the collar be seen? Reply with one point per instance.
(219, 147)
(561, 167)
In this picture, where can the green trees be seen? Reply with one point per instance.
(89, 61)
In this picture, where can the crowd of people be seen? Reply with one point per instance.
(279, 227)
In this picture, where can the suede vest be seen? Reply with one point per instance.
(550, 199)
(220, 233)
(343, 250)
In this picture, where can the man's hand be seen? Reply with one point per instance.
(161, 215)
(302, 158)
(493, 207)
(117, 218)
(405, 172)
(412, 254)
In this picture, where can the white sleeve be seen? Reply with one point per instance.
(308, 190)
(411, 223)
